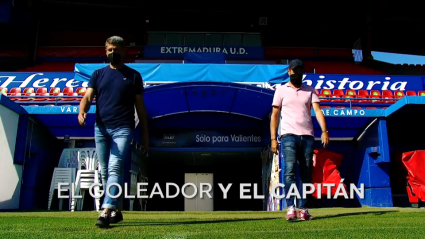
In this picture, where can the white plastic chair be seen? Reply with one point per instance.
(85, 179)
(87, 159)
(87, 174)
(61, 175)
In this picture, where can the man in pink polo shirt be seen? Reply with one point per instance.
(293, 102)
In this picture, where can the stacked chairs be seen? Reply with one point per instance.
(79, 177)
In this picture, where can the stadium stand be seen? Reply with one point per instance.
(360, 98)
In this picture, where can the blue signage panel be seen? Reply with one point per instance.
(38, 80)
(351, 112)
(231, 52)
(271, 75)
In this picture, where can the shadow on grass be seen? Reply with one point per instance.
(139, 224)
(377, 213)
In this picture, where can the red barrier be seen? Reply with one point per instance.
(414, 162)
(325, 170)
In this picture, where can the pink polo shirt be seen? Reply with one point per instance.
(295, 109)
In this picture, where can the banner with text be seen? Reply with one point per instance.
(268, 76)
(359, 82)
(231, 52)
(208, 139)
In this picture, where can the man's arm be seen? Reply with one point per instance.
(87, 100)
(274, 119)
(143, 119)
(274, 122)
(322, 122)
(85, 105)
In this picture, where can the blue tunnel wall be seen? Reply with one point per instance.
(39, 152)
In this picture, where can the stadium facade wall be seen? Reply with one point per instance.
(10, 173)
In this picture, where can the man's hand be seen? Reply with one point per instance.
(274, 122)
(325, 138)
(82, 118)
(322, 122)
(85, 106)
(274, 146)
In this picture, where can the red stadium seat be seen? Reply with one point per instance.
(363, 94)
(41, 91)
(387, 93)
(421, 93)
(81, 90)
(377, 99)
(338, 94)
(14, 94)
(42, 99)
(27, 98)
(15, 90)
(325, 107)
(356, 108)
(410, 93)
(28, 90)
(69, 99)
(321, 97)
(54, 90)
(326, 92)
(68, 90)
(389, 99)
(371, 108)
(3, 91)
(398, 94)
(375, 93)
(350, 98)
(351, 92)
(340, 107)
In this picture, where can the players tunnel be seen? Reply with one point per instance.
(207, 132)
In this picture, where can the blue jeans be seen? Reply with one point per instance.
(297, 148)
(112, 147)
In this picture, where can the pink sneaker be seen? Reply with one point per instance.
(291, 214)
(304, 215)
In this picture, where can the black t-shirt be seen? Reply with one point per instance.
(115, 91)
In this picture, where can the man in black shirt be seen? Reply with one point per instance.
(118, 90)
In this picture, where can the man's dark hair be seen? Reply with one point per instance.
(115, 40)
(299, 70)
